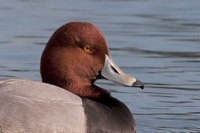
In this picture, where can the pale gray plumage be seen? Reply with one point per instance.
(29, 106)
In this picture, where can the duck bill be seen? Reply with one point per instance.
(113, 73)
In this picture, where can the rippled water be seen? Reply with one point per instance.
(156, 41)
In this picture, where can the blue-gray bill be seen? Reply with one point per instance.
(113, 73)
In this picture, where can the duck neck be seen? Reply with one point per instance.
(87, 90)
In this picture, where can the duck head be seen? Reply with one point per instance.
(76, 56)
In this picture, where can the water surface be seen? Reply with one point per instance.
(156, 41)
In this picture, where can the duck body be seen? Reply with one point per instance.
(67, 100)
(30, 106)
(108, 115)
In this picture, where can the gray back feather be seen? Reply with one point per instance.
(29, 106)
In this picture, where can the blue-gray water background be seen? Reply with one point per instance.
(157, 41)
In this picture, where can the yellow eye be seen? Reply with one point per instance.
(87, 49)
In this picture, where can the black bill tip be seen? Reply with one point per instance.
(137, 83)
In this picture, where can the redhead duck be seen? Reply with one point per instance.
(68, 101)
